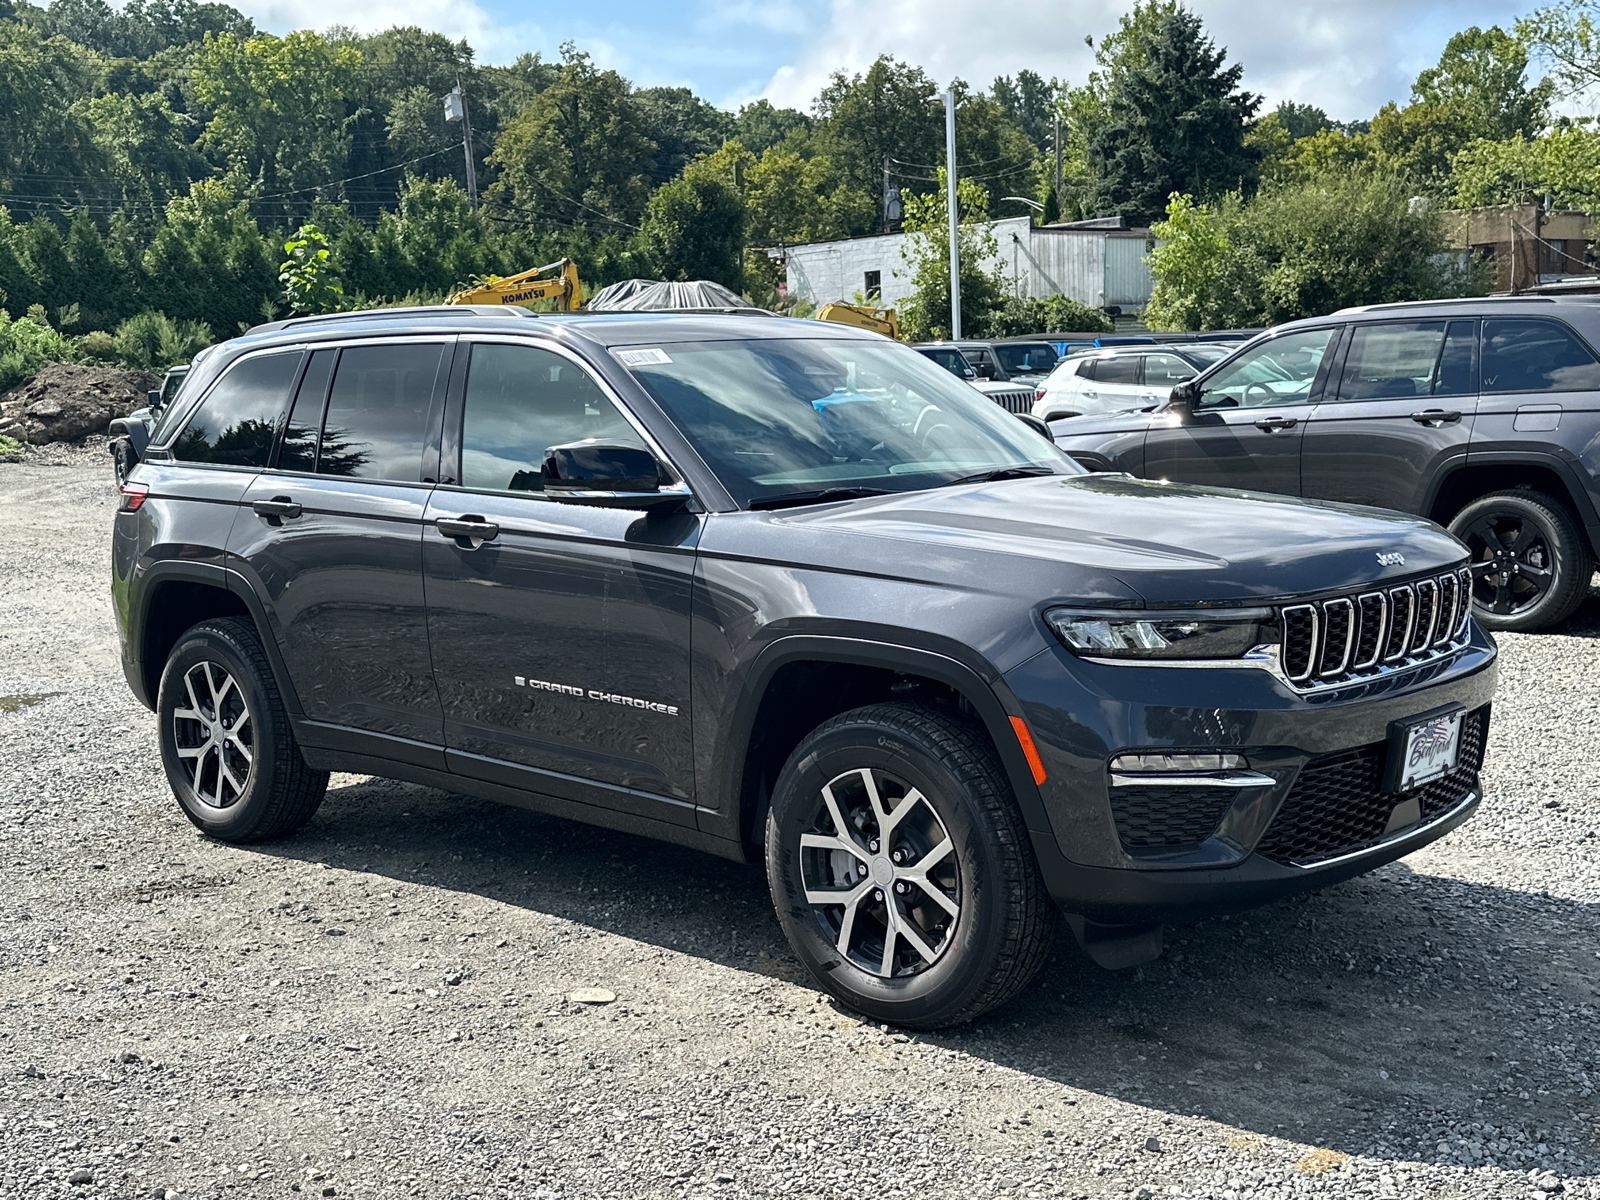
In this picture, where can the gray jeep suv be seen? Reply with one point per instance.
(1482, 414)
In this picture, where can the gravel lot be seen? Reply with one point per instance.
(381, 1005)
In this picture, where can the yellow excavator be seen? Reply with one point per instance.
(537, 284)
(879, 320)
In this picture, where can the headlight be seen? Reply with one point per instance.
(1227, 633)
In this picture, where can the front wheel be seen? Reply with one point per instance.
(901, 868)
(226, 742)
(1531, 563)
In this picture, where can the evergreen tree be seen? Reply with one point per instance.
(1174, 121)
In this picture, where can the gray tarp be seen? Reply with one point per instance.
(643, 295)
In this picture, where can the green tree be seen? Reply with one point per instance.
(693, 228)
(682, 126)
(309, 275)
(1174, 120)
(1482, 80)
(925, 314)
(1566, 36)
(890, 111)
(759, 125)
(577, 155)
(1301, 120)
(1300, 250)
(208, 261)
(277, 108)
(1563, 164)
(1030, 101)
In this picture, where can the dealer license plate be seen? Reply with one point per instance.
(1430, 747)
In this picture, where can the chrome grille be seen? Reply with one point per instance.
(1013, 401)
(1349, 638)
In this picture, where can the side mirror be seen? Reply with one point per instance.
(153, 399)
(1185, 396)
(985, 371)
(607, 474)
(1038, 424)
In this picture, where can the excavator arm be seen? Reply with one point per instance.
(537, 284)
(879, 320)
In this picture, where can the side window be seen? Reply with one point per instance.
(1122, 369)
(1280, 371)
(1535, 356)
(1392, 361)
(238, 420)
(1165, 370)
(300, 436)
(378, 411)
(1086, 368)
(522, 400)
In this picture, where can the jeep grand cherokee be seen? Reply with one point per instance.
(786, 591)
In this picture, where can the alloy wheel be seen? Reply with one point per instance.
(214, 735)
(1512, 562)
(881, 874)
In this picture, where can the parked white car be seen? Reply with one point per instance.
(1119, 378)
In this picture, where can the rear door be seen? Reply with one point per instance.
(1162, 372)
(1111, 384)
(332, 537)
(1401, 412)
(562, 639)
(1245, 430)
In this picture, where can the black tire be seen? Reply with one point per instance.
(1005, 922)
(122, 460)
(228, 748)
(1531, 563)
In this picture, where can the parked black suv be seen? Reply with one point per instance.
(1480, 414)
(786, 590)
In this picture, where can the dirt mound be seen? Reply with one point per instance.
(64, 402)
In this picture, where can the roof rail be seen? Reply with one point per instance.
(378, 314)
(1359, 308)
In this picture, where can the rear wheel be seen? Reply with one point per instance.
(1531, 564)
(226, 742)
(901, 868)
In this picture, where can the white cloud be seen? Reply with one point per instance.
(1348, 56)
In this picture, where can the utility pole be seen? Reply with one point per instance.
(886, 227)
(455, 109)
(950, 205)
(1058, 160)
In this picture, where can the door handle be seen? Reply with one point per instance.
(1435, 416)
(1091, 393)
(471, 528)
(278, 506)
(1275, 424)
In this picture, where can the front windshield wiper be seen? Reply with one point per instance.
(821, 496)
(999, 473)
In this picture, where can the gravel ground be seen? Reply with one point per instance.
(382, 1005)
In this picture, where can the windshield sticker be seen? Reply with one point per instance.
(643, 357)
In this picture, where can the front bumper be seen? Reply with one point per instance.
(1082, 714)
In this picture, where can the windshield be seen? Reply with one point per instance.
(781, 416)
(1027, 358)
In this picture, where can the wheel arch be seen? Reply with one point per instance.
(1538, 472)
(800, 681)
(177, 596)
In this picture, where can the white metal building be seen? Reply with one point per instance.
(1096, 262)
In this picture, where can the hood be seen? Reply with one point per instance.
(1099, 425)
(1169, 544)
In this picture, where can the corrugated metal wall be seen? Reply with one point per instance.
(1090, 266)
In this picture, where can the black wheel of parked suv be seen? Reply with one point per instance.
(901, 869)
(1531, 563)
(226, 743)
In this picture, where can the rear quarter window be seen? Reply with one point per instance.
(237, 421)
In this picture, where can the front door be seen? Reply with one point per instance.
(560, 631)
(1403, 408)
(1245, 429)
(332, 536)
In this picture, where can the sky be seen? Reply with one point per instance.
(1346, 56)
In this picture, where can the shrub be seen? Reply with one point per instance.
(26, 345)
(11, 450)
(1019, 316)
(98, 346)
(153, 340)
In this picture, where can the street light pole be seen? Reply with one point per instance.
(950, 205)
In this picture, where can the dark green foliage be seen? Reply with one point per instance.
(152, 340)
(682, 126)
(141, 28)
(694, 229)
(891, 111)
(1174, 121)
(1019, 316)
(1302, 120)
(1030, 101)
(759, 125)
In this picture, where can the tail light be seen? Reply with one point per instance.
(133, 495)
